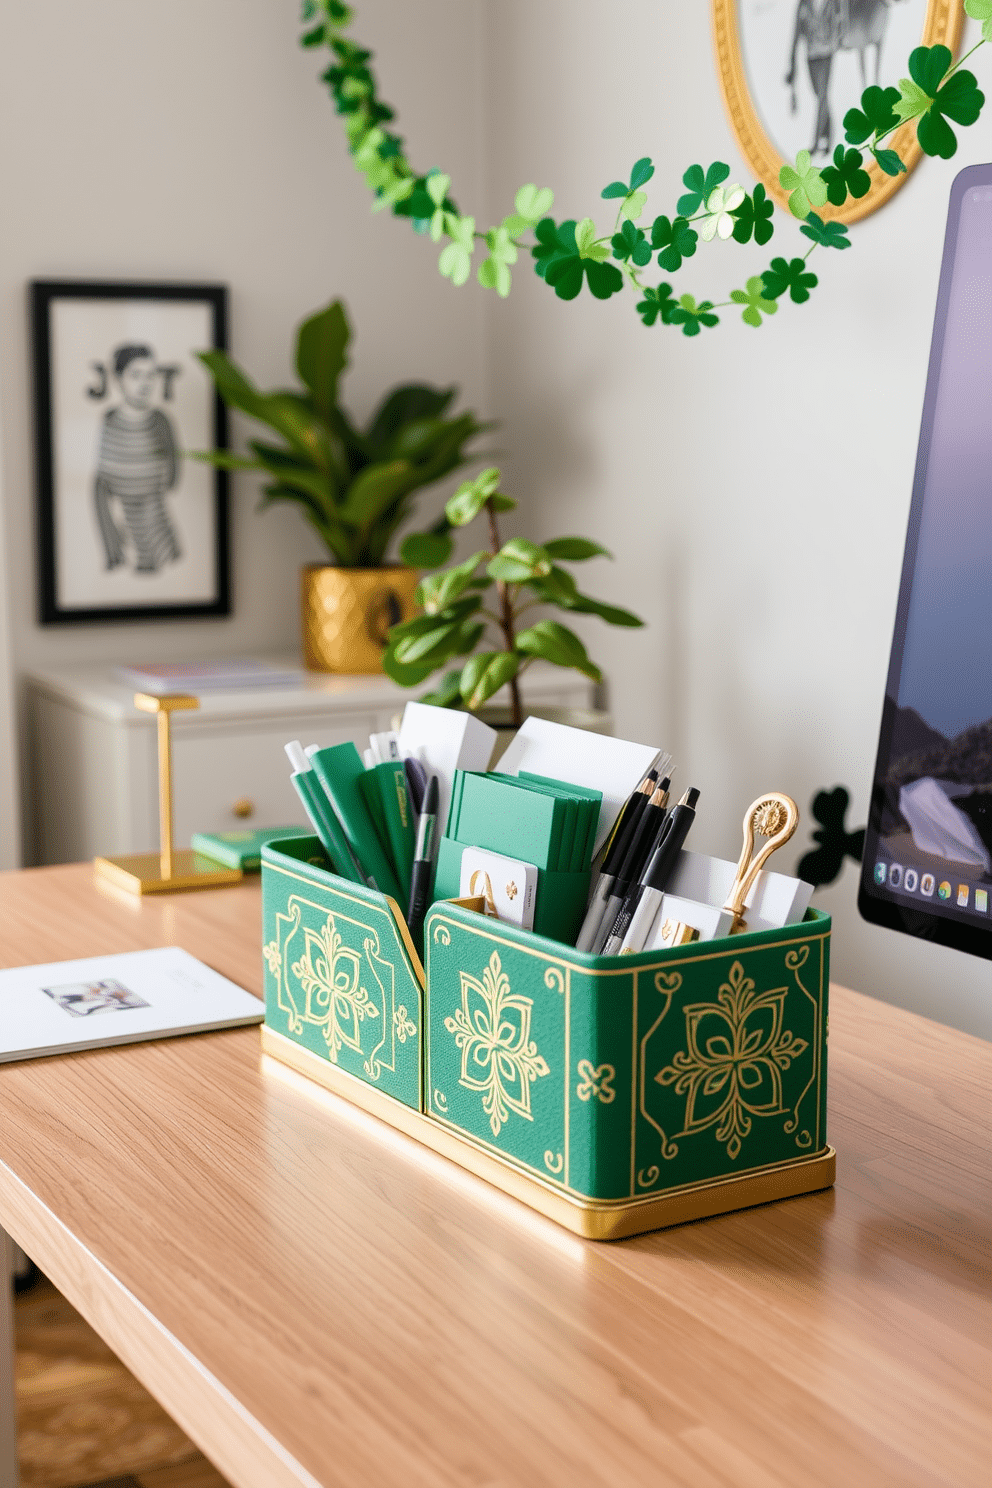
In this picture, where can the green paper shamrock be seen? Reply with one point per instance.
(691, 316)
(494, 272)
(437, 189)
(791, 275)
(588, 244)
(455, 262)
(531, 204)
(826, 234)
(656, 305)
(889, 162)
(700, 186)
(634, 200)
(559, 263)
(922, 97)
(753, 297)
(981, 10)
(630, 243)
(721, 202)
(754, 216)
(676, 240)
(805, 185)
(845, 177)
(874, 117)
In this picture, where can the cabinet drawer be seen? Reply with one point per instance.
(215, 769)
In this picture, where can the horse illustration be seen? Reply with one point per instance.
(827, 27)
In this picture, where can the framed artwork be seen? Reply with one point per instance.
(128, 527)
(791, 69)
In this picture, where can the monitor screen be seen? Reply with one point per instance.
(927, 866)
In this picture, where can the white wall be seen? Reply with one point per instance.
(754, 485)
(192, 141)
(9, 804)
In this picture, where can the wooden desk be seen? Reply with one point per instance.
(319, 1300)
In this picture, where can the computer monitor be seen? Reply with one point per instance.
(927, 866)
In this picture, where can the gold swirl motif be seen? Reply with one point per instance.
(731, 1068)
(554, 1162)
(336, 1002)
(796, 960)
(442, 935)
(554, 979)
(667, 982)
(273, 956)
(596, 1081)
(441, 1101)
(405, 1027)
(646, 1177)
(499, 1057)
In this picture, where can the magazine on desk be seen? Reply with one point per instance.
(65, 1006)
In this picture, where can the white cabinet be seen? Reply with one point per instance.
(92, 771)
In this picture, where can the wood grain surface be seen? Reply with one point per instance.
(317, 1299)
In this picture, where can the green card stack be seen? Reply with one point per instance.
(537, 820)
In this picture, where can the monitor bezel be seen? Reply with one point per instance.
(947, 928)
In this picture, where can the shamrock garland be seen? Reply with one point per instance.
(570, 254)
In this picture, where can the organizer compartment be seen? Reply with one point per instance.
(342, 978)
(617, 1078)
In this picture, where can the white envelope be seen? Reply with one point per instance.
(774, 901)
(445, 740)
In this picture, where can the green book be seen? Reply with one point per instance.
(338, 770)
(241, 849)
(389, 787)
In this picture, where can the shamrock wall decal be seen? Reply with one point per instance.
(823, 864)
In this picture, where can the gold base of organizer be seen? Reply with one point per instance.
(141, 873)
(594, 1219)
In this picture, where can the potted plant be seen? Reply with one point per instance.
(355, 487)
(457, 623)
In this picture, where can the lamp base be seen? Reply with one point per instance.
(141, 873)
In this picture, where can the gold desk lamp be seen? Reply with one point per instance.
(169, 869)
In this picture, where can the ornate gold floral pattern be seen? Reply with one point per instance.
(329, 974)
(273, 957)
(731, 1069)
(404, 1025)
(596, 1081)
(492, 1028)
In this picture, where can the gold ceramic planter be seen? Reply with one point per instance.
(346, 613)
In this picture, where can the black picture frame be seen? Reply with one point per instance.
(210, 584)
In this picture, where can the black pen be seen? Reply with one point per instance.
(623, 831)
(642, 842)
(641, 908)
(423, 860)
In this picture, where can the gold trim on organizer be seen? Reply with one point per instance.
(593, 1219)
(942, 25)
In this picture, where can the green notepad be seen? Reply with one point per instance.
(385, 790)
(589, 803)
(339, 769)
(241, 849)
(560, 903)
(506, 815)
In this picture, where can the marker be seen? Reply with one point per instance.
(321, 814)
(616, 849)
(645, 833)
(423, 860)
(641, 909)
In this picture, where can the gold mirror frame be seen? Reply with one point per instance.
(942, 27)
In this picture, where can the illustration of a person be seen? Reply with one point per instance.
(136, 466)
(820, 24)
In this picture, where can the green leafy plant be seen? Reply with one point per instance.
(575, 253)
(355, 486)
(492, 647)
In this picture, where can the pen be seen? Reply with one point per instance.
(645, 833)
(423, 859)
(616, 848)
(646, 904)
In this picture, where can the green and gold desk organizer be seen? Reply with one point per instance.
(614, 1094)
